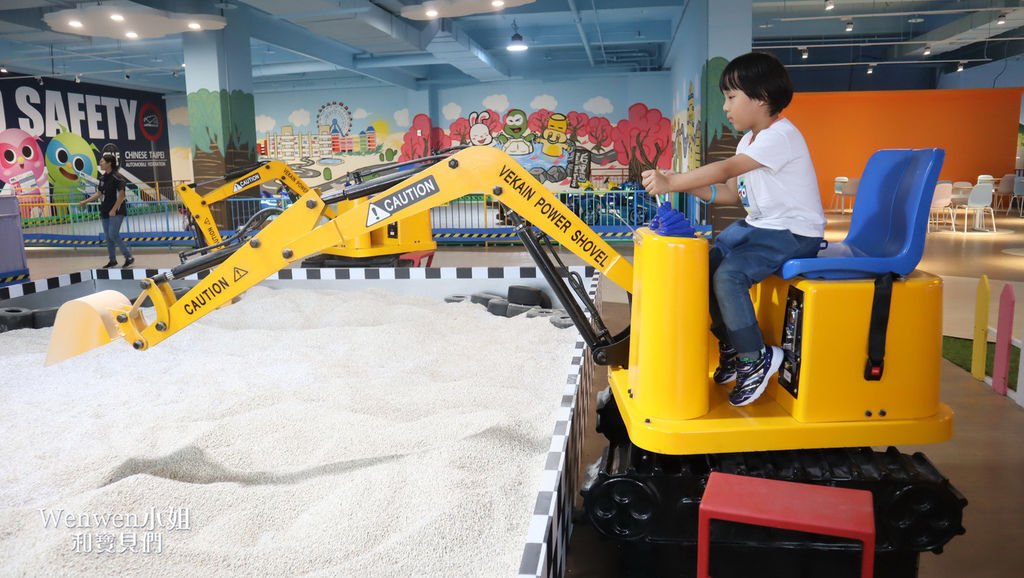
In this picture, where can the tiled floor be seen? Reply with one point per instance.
(984, 460)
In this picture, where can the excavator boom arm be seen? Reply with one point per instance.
(299, 232)
(199, 205)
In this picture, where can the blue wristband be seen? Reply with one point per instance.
(714, 193)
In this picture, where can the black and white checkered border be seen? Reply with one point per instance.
(368, 274)
(398, 273)
(547, 538)
(30, 287)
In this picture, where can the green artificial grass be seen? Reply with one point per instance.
(958, 351)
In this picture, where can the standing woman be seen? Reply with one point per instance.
(112, 208)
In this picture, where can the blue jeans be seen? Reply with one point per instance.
(112, 231)
(741, 256)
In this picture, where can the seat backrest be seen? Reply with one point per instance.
(890, 214)
(943, 194)
(981, 195)
(838, 185)
(986, 179)
(1005, 185)
(850, 187)
(1018, 185)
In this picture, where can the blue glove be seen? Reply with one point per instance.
(669, 222)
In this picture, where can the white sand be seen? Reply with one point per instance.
(355, 434)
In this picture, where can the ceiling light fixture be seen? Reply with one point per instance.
(849, 25)
(431, 13)
(927, 50)
(75, 23)
(39, 79)
(829, 4)
(516, 44)
(960, 66)
(78, 79)
(3, 70)
(915, 20)
(131, 35)
(803, 53)
(871, 68)
(497, 3)
(194, 26)
(1002, 19)
(117, 17)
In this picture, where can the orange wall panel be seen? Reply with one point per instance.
(976, 127)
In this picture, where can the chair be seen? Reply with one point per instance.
(841, 512)
(890, 220)
(1018, 196)
(847, 190)
(837, 193)
(1004, 190)
(979, 202)
(941, 205)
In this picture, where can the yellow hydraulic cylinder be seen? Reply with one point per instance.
(668, 351)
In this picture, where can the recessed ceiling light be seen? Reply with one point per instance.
(194, 25)
(497, 3)
(117, 17)
(829, 4)
(183, 65)
(803, 53)
(927, 50)
(1002, 19)
(431, 13)
(131, 35)
(849, 25)
(915, 20)
(765, 25)
(960, 66)
(75, 23)
(871, 69)
(3, 70)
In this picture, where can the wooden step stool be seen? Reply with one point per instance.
(787, 505)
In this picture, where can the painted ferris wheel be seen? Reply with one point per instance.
(336, 117)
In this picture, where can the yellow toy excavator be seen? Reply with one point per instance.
(861, 330)
(398, 244)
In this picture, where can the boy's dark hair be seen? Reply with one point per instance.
(761, 77)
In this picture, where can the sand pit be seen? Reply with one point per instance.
(323, 433)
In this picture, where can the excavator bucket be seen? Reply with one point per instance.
(85, 323)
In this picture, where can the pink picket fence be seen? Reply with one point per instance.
(1003, 334)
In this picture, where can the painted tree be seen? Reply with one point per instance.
(459, 131)
(577, 126)
(539, 120)
(642, 140)
(422, 139)
(599, 130)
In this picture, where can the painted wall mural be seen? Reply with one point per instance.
(565, 149)
(222, 130)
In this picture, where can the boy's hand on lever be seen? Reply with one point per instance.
(656, 182)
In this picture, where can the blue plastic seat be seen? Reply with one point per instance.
(890, 220)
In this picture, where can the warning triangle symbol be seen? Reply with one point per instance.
(239, 273)
(376, 215)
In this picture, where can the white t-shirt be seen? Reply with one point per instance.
(782, 194)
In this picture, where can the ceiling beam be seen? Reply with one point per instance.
(295, 38)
